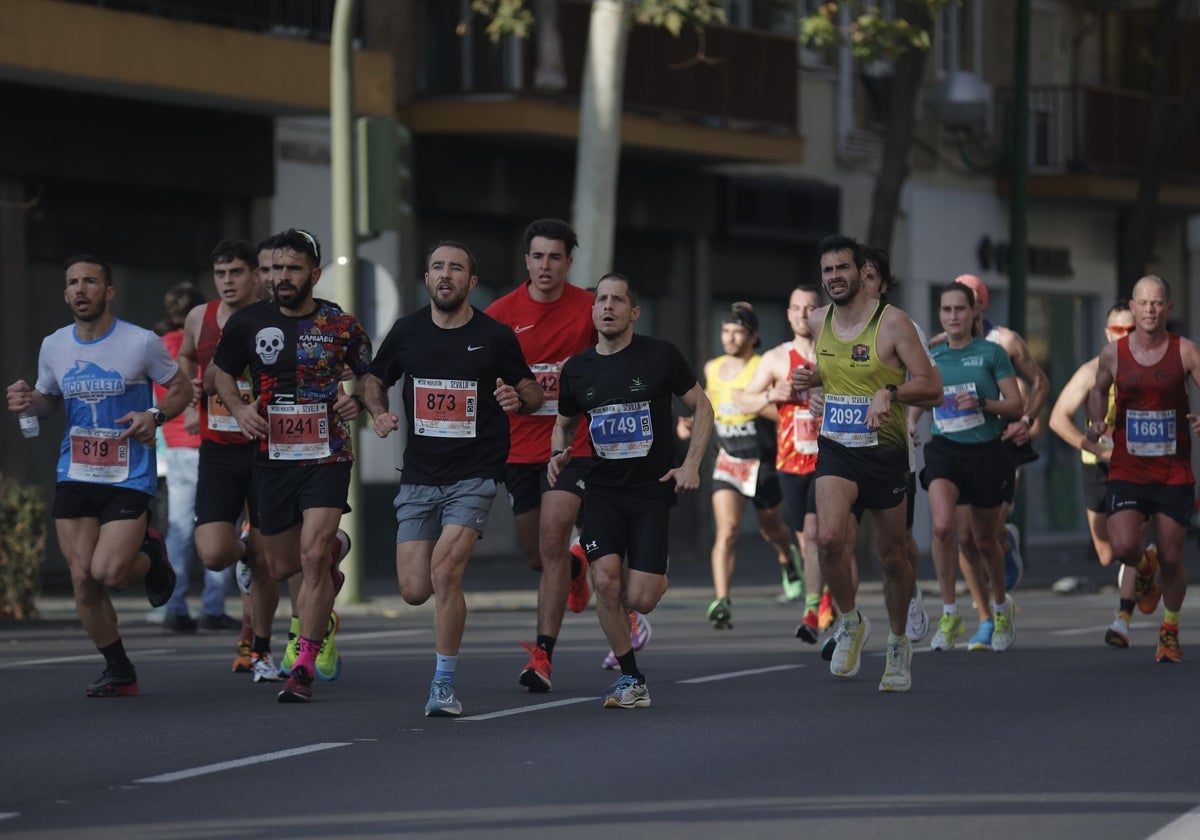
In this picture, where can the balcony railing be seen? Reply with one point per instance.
(1084, 129)
(745, 79)
(306, 19)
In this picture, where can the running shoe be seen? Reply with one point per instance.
(982, 640)
(847, 657)
(830, 646)
(897, 673)
(242, 663)
(610, 662)
(160, 577)
(825, 611)
(442, 702)
(807, 630)
(243, 577)
(1168, 644)
(627, 693)
(536, 676)
(793, 590)
(264, 667)
(219, 622)
(916, 625)
(720, 614)
(1005, 628)
(950, 627)
(329, 661)
(298, 688)
(1014, 564)
(579, 592)
(1145, 584)
(292, 651)
(341, 547)
(179, 622)
(1117, 633)
(639, 630)
(115, 681)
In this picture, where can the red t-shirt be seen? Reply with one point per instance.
(173, 432)
(1152, 441)
(549, 334)
(216, 423)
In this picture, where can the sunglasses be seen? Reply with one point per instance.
(312, 242)
(1119, 330)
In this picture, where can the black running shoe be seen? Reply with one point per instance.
(298, 688)
(116, 681)
(160, 579)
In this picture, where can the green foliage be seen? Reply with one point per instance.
(869, 33)
(510, 17)
(22, 547)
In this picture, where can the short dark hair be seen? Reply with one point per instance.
(105, 268)
(298, 240)
(179, 300)
(883, 264)
(837, 242)
(963, 288)
(555, 229)
(630, 290)
(805, 287)
(472, 268)
(267, 244)
(1119, 306)
(228, 250)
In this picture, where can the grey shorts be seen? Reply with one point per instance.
(423, 509)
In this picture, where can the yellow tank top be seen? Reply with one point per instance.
(851, 373)
(738, 433)
(1110, 417)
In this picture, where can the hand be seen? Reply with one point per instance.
(385, 424)
(683, 428)
(914, 434)
(686, 477)
(507, 396)
(1194, 422)
(816, 403)
(967, 401)
(197, 393)
(879, 410)
(141, 426)
(801, 378)
(250, 421)
(346, 406)
(1016, 432)
(555, 466)
(20, 396)
(191, 420)
(1096, 430)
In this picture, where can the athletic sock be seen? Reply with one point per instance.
(1125, 605)
(950, 609)
(1171, 617)
(445, 667)
(114, 655)
(309, 648)
(999, 607)
(812, 601)
(546, 643)
(629, 668)
(261, 644)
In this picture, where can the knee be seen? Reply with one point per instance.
(606, 584)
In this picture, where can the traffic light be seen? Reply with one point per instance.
(384, 177)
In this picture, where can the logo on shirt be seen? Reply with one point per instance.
(268, 343)
(471, 348)
(592, 546)
(860, 353)
(636, 385)
(522, 329)
(89, 383)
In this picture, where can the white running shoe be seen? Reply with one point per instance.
(917, 623)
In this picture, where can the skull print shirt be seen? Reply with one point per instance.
(295, 366)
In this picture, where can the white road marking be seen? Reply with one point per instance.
(8, 815)
(1087, 631)
(382, 634)
(239, 762)
(735, 674)
(91, 657)
(536, 708)
(1181, 828)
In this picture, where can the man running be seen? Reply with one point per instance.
(868, 356)
(465, 372)
(625, 384)
(296, 349)
(101, 370)
(1150, 471)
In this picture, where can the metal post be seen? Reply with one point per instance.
(1019, 202)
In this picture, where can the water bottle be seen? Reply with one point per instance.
(29, 423)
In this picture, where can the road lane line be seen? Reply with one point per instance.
(734, 674)
(239, 762)
(91, 657)
(535, 708)
(382, 634)
(8, 815)
(1184, 827)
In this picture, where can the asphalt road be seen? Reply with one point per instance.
(748, 735)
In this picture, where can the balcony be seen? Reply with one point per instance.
(744, 86)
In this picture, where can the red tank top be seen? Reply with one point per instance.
(216, 423)
(173, 431)
(797, 429)
(1152, 441)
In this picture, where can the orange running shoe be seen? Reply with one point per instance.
(536, 675)
(242, 663)
(1145, 584)
(580, 592)
(825, 611)
(1168, 644)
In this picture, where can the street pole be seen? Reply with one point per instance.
(345, 238)
(1018, 281)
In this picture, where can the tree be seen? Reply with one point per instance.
(904, 40)
(597, 160)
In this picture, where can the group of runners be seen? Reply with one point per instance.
(815, 433)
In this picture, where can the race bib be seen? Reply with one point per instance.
(98, 456)
(805, 430)
(621, 431)
(742, 473)
(1150, 434)
(948, 417)
(845, 421)
(219, 417)
(445, 407)
(298, 432)
(548, 376)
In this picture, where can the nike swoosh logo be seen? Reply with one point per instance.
(471, 349)
(522, 329)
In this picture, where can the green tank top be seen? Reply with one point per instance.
(851, 373)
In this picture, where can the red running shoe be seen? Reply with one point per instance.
(580, 592)
(536, 676)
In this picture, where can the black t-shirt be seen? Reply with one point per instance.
(295, 365)
(456, 429)
(627, 396)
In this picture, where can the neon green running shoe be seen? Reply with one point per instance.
(950, 627)
(329, 661)
(292, 650)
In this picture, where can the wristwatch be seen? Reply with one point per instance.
(892, 389)
(159, 417)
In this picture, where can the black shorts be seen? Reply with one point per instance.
(629, 527)
(767, 493)
(799, 498)
(1094, 478)
(82, 500)
(982, 472)
(527, 482)
(284, 493)
(910, 512)
(225, 483)
(1173, 500)
(881, 474)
